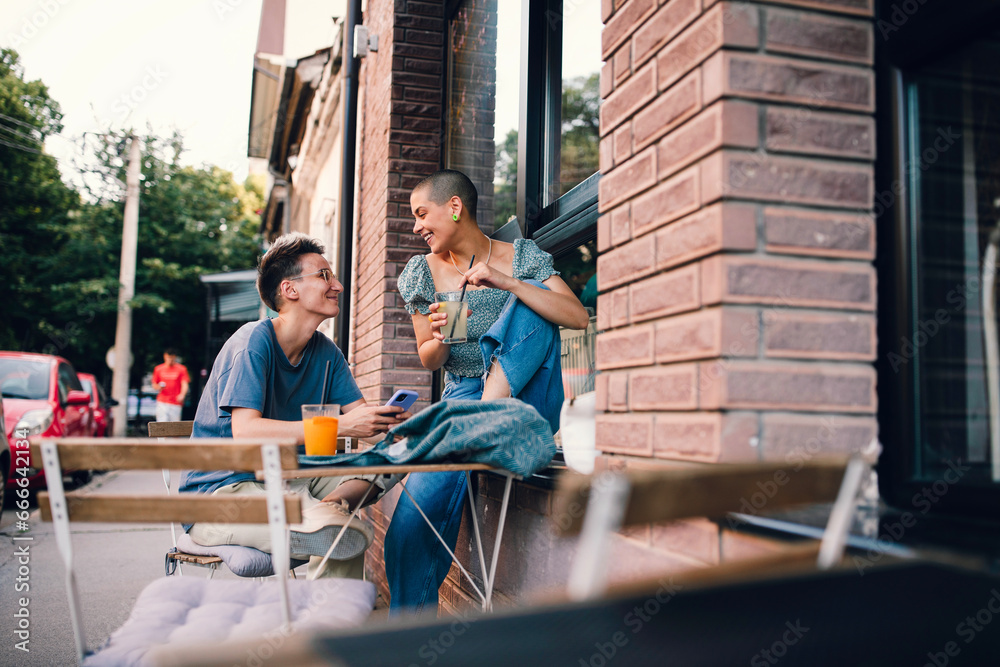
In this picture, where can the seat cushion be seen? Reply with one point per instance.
(194, 610)
(243, 561)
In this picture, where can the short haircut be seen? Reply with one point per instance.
(449, 183)
(282, 261)
(172, 351)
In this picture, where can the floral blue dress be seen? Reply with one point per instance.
(416, 285)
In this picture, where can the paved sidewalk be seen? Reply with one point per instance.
(113, 563)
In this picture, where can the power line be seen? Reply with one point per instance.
(20, 147)
(18, 133)
(19, 122)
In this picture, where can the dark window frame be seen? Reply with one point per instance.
(570, 220)
(933, 32)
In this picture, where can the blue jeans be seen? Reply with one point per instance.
(416, 564)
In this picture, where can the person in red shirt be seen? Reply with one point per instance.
(172, 378)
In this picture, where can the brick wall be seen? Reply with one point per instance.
(736, 239)
(399, 123)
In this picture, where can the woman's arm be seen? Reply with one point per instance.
(557, 304)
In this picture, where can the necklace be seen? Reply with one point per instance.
(488, 255)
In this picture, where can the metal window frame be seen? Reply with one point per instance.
(932, 33)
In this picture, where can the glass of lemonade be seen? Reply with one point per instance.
(456, 327)
(320, 425)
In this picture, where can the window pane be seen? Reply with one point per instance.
(954, 171)
(483, 101)
(581, 71)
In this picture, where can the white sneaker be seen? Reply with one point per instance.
(319, 528)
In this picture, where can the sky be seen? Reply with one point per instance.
(184, 64)
(187, 64)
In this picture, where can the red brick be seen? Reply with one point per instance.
(799, 438)
(807, 131)
(617, 392)
(625, 434)
(625, 347)
(628, 180)
(821, 233)
(728, 123)
(788, 80)
(712, 437)
(607, 8)
(755, 385)
(669, 293)
(697, 538)
(727, 279)
(719, 227)
(622, 63)
(796, 335)
(603, 232)
(726, 24)
(856, 7)
(621, 224)
(625, 264)
(620, 27)
(817, 36)
(619, 307)
(628, 98)
(623, 143)
(607, 79)
(604, 312)
(786, 180)
(666, 202)
(672, 387)
(606, 154)
(663, 26)
(714, 332)
(670, 108)
(601, 392)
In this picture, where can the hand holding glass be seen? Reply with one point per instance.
(456, 326)
(320, 425)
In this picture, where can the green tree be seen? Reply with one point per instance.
(61, 252)
(35, 205)
(578, 146)
(192, 221)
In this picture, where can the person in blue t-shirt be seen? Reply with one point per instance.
(263, 375)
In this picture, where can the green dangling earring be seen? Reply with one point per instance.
(454, 216)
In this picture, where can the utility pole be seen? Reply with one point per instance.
(126, 290)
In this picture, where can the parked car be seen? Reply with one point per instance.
(100, 405)
(5, 460)
(42, 396)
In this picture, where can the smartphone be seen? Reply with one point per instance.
(403, 398)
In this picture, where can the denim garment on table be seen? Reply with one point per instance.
(505, 433)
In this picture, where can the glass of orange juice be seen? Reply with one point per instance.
(320, 425)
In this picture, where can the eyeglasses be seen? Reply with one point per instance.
(325, 274)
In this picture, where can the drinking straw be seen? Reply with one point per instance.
(326, 377)
(462, 298)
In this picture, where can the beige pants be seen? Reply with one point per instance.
(258, 536)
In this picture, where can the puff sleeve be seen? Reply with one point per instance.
(416, 286)
(531, 262)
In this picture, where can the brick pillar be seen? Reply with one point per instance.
(736, 238)
(400, 120)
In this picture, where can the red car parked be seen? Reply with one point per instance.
(42, 395)
(100, 405)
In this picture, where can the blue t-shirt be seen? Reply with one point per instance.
(252, 371)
